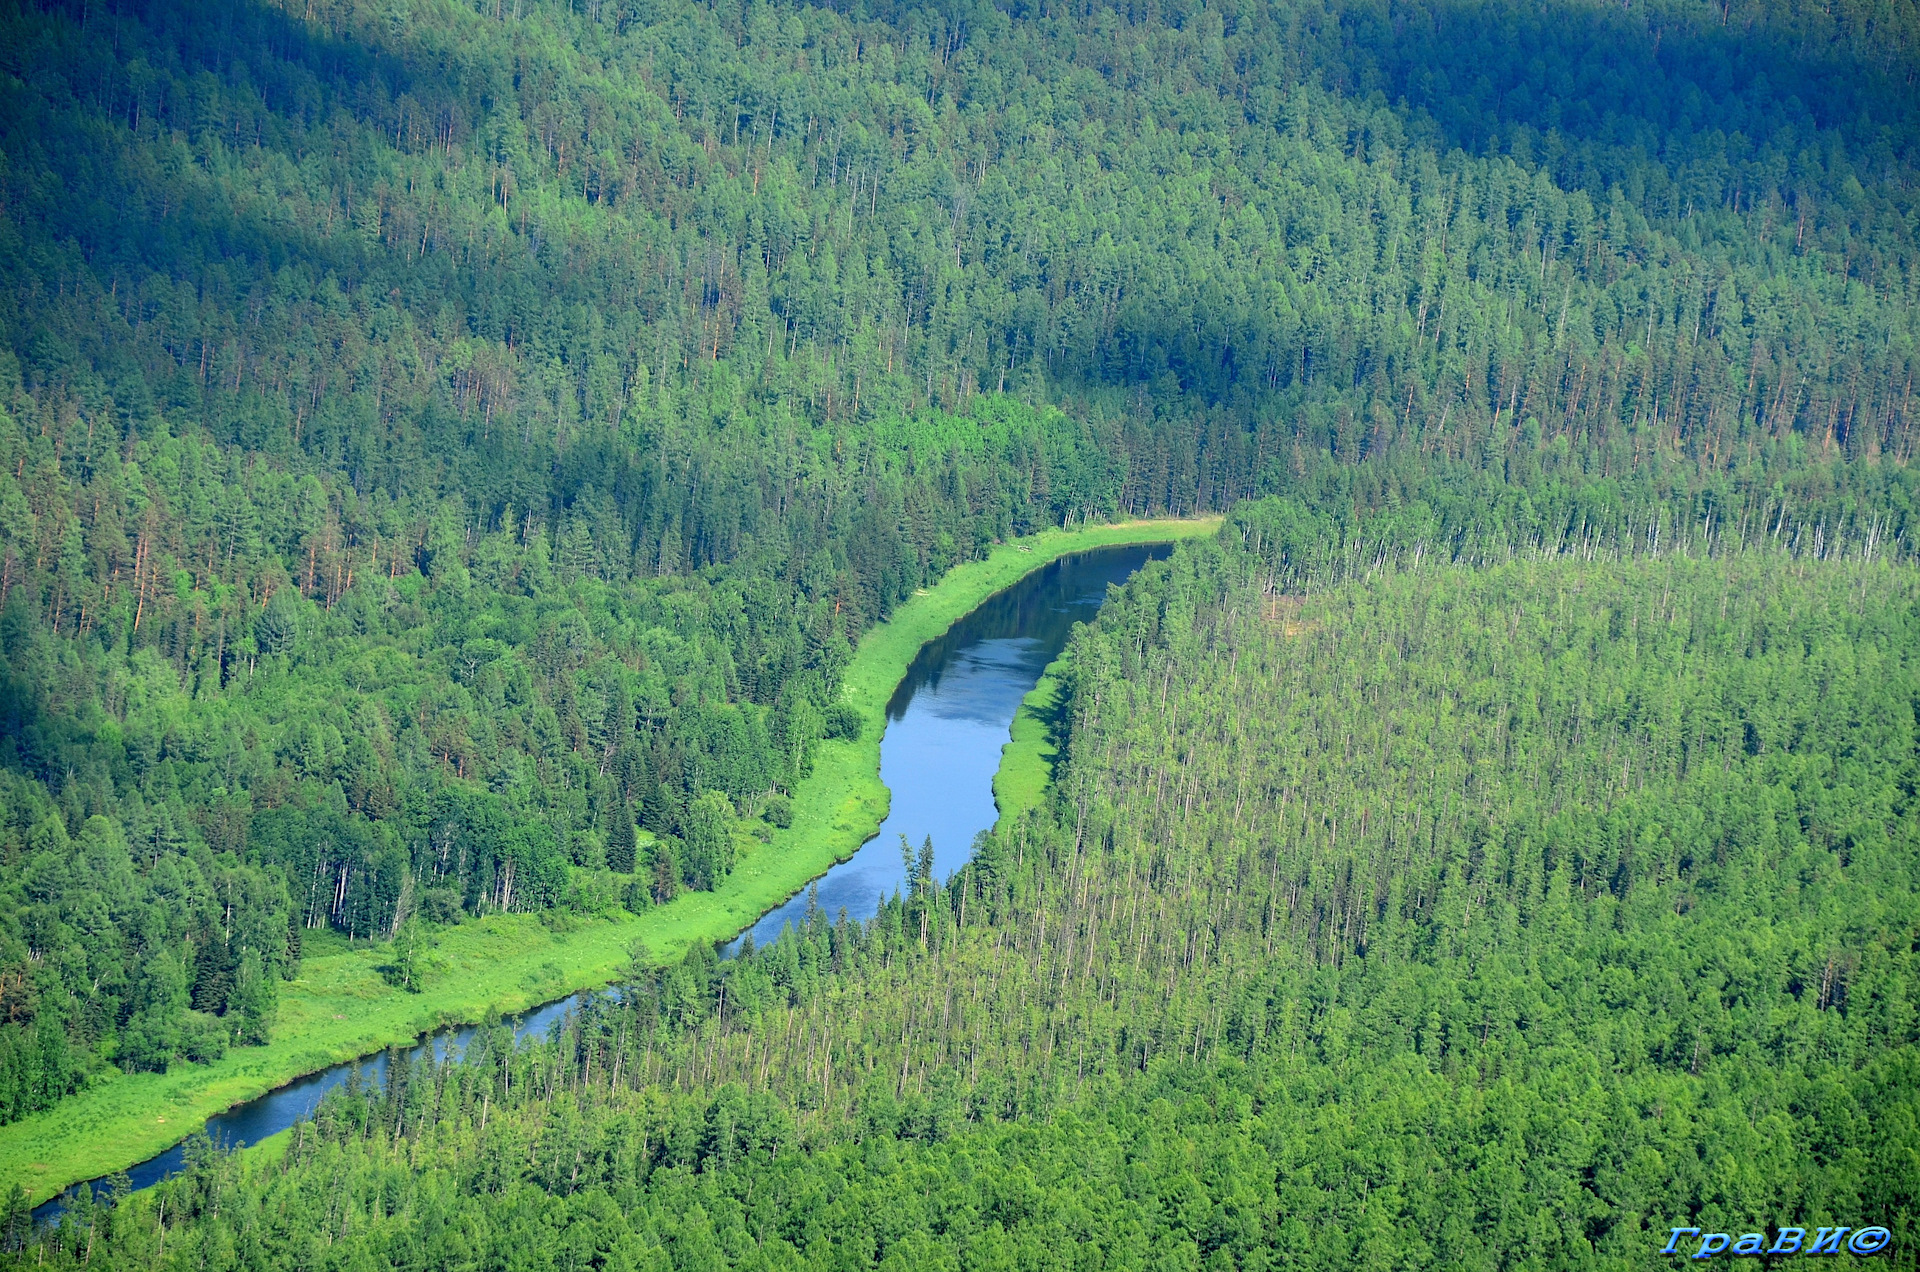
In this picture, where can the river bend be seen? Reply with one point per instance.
(946, 726)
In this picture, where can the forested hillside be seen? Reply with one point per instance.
(1413, 913)
(438, 438)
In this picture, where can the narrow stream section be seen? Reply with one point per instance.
(949, 720)
(249, 1123)
(946, 725)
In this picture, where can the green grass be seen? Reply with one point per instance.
(1028, 759)
(340, 1007)
(1032, 753)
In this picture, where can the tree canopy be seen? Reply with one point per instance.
(449, 447)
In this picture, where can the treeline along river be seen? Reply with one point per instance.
(946, 725)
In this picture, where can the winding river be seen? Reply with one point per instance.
(947, 723)
(946, 726)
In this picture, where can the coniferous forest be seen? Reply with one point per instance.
(450, 449)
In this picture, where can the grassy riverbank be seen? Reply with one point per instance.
(1027, 760)
(340, 1007)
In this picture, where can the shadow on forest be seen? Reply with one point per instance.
(30, 741)
(1592, 72)
(1620, 94)
(1613, 77)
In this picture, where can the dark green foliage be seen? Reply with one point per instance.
(162, 950)
(1421, 912)
(439, 437)
(843, 721)
(622, 849)
(35, 1067)
(708, 846)
(778, 811)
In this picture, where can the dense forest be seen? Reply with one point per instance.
(448, 450)
(1391, 910)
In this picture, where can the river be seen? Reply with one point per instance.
(949, 719)
(946, 725)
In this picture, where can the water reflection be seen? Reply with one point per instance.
(948, 721)
(946, 725)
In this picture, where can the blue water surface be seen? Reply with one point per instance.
(946, 726)
(948, 722)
